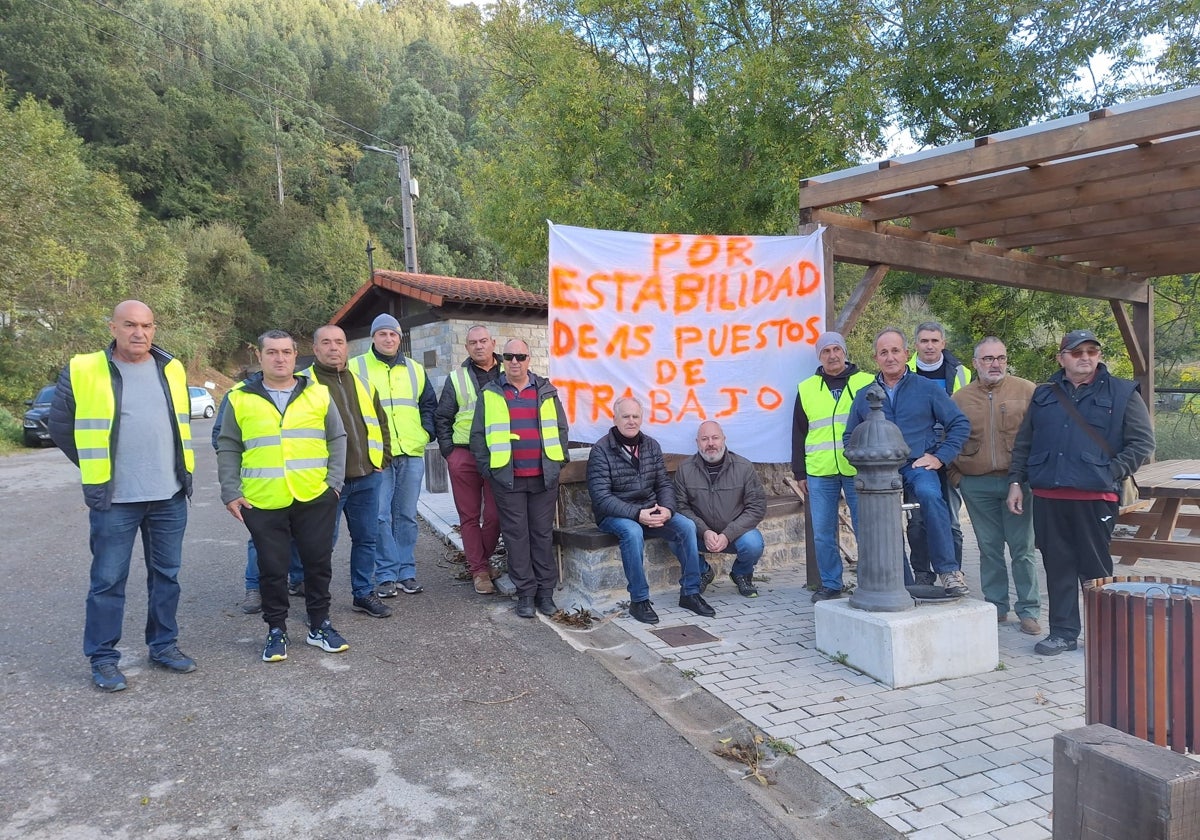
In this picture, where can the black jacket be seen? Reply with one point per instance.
(618, 489)
(447, 407)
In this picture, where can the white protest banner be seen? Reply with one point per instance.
(697, 327)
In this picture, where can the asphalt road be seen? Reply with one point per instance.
(452, 719)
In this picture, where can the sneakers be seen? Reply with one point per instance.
(252, 603)
(643, 611)
(108, 677)
(327, 639)
(1053, 646)
(925, 578)
(296, 590)
(745, 585)
(706, 577)
(174, 659)
(826, 593)
(955, 583)
(697, 605)
(483, 583)
(371, 605)
(410, 586)
(275, 649)
(525, 607)
(1030, 627)
(386, 589)
(545, 604)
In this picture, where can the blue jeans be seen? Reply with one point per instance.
(926, 487)
(680, 533)
(360, 504)
(748, 549)
(824, 494)
(112, 534)
(398, 492)
(295, 570)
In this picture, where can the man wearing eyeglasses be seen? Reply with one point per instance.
(519, 440)
(1085, 430)
(995, 403)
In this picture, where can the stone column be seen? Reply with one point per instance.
(877, 450)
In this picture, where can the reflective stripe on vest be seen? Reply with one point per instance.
(399, 392)
(96, 407)
(366, 409)
(286, 456)
(463, 383)
(497, 429)
(823, 450)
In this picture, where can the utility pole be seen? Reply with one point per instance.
(408, 191)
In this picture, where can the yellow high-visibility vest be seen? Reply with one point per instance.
(366, 407)
(96, 410)
(961, 374)
(286, 457)
(823, 450)
(497, 428)
(399, 388)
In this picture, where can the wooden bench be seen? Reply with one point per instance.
(590, 559)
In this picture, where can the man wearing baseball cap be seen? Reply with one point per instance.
(409, 402)
(818, 460)
(1084, 432)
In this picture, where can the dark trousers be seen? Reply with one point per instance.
(1074, 538)
(311, 525)
(527, 522)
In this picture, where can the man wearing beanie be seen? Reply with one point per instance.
(818, 460)
(408, 400)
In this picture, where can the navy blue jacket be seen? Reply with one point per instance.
(919, 407)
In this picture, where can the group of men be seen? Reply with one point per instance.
(1036, 465)
(298, 450)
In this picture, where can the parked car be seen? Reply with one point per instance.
(37, 432)
(202, 402)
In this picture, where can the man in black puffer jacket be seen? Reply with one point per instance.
(631, 492)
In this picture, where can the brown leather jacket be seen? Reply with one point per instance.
(995, 412)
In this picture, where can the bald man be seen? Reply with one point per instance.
(123, 416)
(721, 493)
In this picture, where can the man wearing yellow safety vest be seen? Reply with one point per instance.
(123, 415)
(358, 405)
(478, 522)
(519, 439)
(933, 361)
(409, 402)
(819, 462)
(281, 458)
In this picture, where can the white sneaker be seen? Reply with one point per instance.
(955, 583)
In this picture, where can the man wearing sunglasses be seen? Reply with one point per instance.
(519, 440)
(1085, 430)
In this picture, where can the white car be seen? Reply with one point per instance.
(202, 402)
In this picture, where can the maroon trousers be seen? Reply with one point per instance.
(478, 521)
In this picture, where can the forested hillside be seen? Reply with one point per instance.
(207, 156)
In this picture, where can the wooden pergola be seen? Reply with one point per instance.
(1095, 206)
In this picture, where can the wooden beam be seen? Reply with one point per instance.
(1133, 258)
(1136, 160)
(1139, 235)
(1079, 195)
(1133, 342)
(1141, 125)
(1102, 220)
(860, 297)
(935, 257)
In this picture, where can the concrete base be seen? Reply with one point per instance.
(928, 643)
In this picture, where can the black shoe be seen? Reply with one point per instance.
(745, 585)
(706, 577)
(525, 606)
(296, 590)
(174, 659)
(826, 593)
(643, 611)
(1053, 646)
(697, 605)
(925, 578)
(410, 586)
(386, 589)
(545, 604)
(371, 605)
(108, 677)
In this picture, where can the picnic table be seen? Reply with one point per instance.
(1169, 487)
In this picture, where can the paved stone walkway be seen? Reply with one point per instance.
(963, 758)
